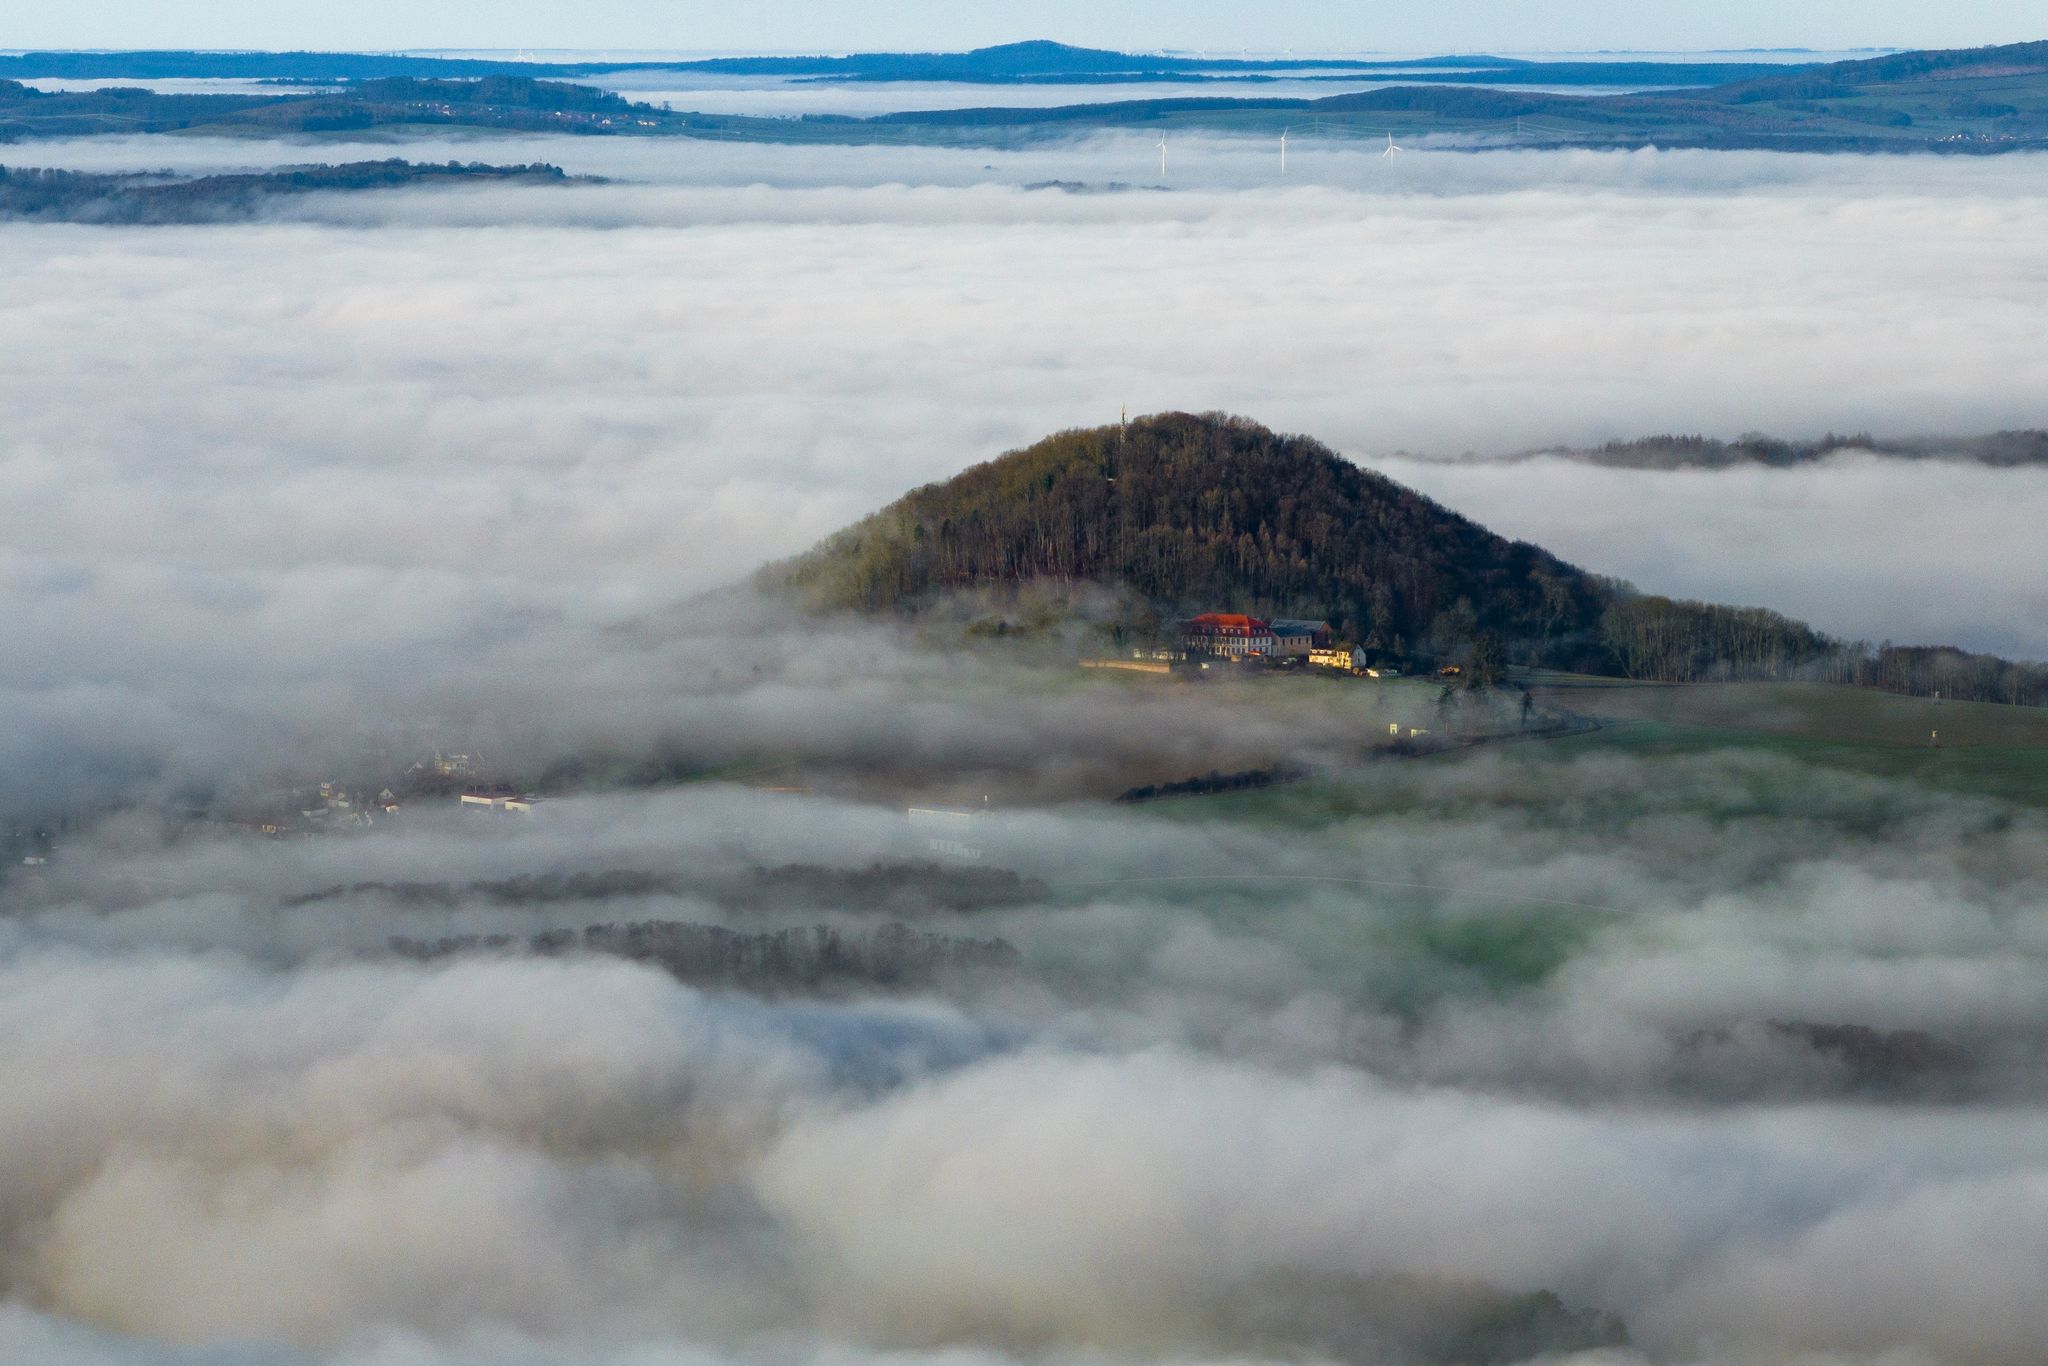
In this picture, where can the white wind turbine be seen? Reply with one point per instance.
(1391, 148)
(1283, 151)
(1162, 156)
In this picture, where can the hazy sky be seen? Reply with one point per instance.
(926, 24)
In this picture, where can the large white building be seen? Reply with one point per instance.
(1229, 634)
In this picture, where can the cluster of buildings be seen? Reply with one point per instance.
(1235, 636)
(333, 806)
(1232, 635)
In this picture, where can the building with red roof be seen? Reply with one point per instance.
(1230, 634)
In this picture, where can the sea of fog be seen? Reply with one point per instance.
(1323, 1077)
(1327, 1081)
(625, 393)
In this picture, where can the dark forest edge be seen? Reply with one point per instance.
(2007, 449)
(899, 888)
(817, 958)
(164, 198)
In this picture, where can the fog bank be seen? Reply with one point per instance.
(1568, 1049)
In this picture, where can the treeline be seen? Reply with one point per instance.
(1206, 513)
(1668, 452)
(28, 112)
(816, 958)
(1215, 782)
(1945, 671)
(1674, 641)
(87, 197)
(901, 888)
(1669, 640)
(509, 102)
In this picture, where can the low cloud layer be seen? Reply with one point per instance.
(629, 392)
(1468, 1059)
(1861, 546)
(1238, 1117)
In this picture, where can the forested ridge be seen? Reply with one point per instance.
(94, 197)
(1671, 452)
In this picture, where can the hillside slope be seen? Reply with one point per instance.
(1208, 513)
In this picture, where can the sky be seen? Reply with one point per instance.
(1523, 25)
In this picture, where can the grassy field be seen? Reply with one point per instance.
(2016, 773)
(1982, 750)
(1972, 747)
(1811, 711)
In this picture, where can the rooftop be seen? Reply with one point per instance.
(1226, 621)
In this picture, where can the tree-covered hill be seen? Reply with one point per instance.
(1210, 513)
(55, 196)
(1179, 514)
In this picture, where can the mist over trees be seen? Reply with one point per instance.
(814, 958)
(899, 888)
(89, 197)
(1672, 452)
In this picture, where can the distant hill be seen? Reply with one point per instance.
(88, 197)
(1978, 100)
(1210, 513)
(2001, 449)
(514, 103)
(1034, 60)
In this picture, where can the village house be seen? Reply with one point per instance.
(1295, 639)
(1349, 658)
